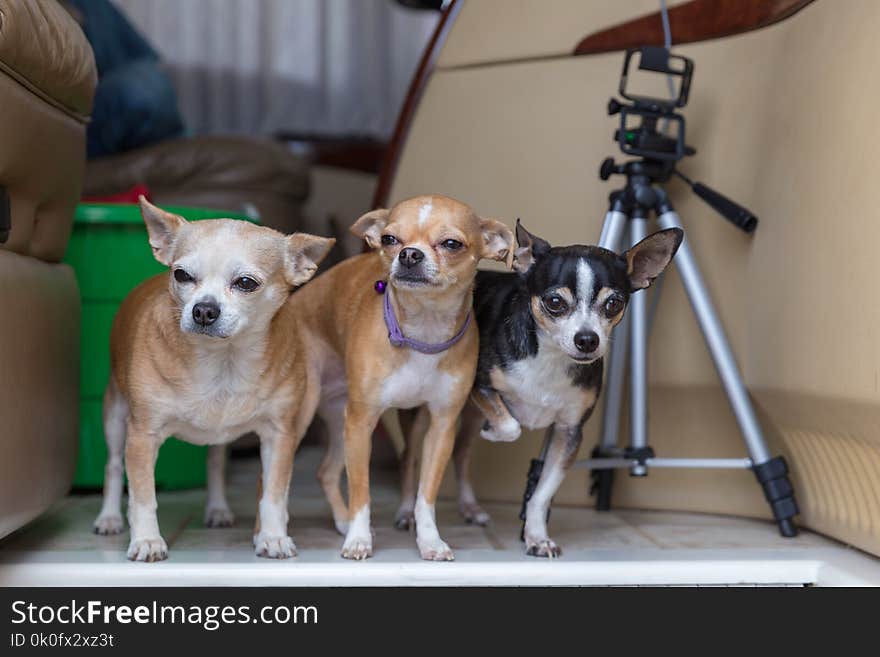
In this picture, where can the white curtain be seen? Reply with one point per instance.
(310, 66)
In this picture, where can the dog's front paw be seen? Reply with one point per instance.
(358, 548)
(147, 549)
(274, 547)
(110, 523)
(404, 519)
(219, 516)
(504, 432)
(544, 547)
(435, 550)
(474, 514)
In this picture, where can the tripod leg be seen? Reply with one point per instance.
(614, 385)
(613, 238)
(613, 230)
(772, 473)
(614, 380)
(638, 378)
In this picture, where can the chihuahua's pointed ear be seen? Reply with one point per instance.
(304, 253)
(529, 249)
(162, 228)
(370, 227)
(647, 259)
(498, 241)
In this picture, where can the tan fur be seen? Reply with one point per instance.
(342, 314)
(543, 321)
(490, 404)
(210, 390)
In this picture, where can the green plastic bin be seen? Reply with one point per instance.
(110, 253)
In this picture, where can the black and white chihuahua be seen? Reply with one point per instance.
(544, 330)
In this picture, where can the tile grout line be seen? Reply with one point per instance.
(641, 532)
(492, 537)
(178, 530)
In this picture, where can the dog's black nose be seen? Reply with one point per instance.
(206, 313)
(410, 257)
(586, 341)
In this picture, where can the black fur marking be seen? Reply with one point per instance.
(507, 329)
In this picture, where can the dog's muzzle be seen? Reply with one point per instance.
(410, 267)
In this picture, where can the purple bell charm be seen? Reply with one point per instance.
(379, 286)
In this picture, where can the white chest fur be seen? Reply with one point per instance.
(417, 382)
(222, 400)
(539, 392)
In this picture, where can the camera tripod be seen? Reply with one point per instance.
(626, 223)
(630, 208)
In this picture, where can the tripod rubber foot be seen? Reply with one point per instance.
(787, 528)
(603, 481)
(773, 477)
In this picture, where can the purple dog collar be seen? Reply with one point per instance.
(398, 339)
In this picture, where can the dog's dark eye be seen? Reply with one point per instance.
(613, 306)
(389, 240)
(245, 284)
(452, 245)
(555, 304)
(182, 276)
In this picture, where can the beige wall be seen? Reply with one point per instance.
(782, 121)
(502, 30)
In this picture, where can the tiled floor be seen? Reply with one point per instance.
(621, 547)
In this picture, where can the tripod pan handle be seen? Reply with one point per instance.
(733, 212)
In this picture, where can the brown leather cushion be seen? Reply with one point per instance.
(39, 377)
(236, 173)
(43, 48)
(42, 157)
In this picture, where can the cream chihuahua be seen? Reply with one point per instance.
(205, 352)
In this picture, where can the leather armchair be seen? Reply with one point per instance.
(47, 82)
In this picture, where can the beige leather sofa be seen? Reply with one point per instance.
(782, 118)
(47, 80)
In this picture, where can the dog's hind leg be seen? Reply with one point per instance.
(217, 511)
(332, 411)
(470, 509)
(109, 520)
(413, 425)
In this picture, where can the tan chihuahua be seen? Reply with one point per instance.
(394, 329)
(205, 352)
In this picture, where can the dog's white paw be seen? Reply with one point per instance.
(404, 519)
(147, 549)
(435, 550)
(505, 432)
(474, 514)
(110, 523)
(219, 516)
(274, 547)
(358, 548)
(544, 547)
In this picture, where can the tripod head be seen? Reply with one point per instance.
(638, 135)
